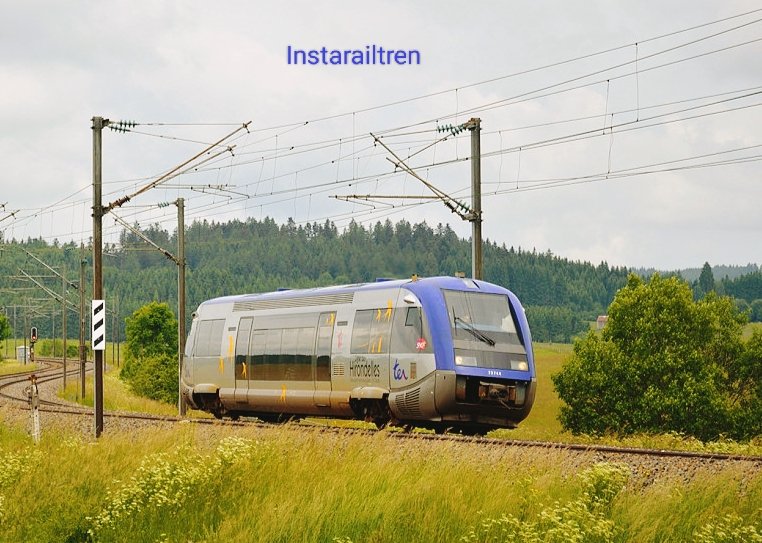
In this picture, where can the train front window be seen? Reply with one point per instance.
(484, 331)
(209, 338)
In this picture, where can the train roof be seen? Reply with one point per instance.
(380, 284)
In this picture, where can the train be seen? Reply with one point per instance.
(445, 353)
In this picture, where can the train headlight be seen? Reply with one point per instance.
(519, 365)
(461, 360)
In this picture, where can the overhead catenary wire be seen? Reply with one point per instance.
(371, 177)
(327, 143)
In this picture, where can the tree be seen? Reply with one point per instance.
(150, 366)
(706, 279)
(5, 328)
(756, 311)
(748, 418)
(662, 363)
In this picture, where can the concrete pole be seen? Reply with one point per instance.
(82, 352)
(63, 325)
(98, 124)
(181, 407)
(474, 125)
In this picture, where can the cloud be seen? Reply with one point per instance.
(196, 62)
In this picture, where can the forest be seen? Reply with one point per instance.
(561, 297)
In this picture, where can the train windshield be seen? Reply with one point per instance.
(484, 331)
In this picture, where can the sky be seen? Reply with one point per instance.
(624, 132)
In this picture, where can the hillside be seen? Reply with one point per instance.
(692, 274)
(561, 296)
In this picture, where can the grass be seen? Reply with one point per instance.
(287, 483)
(11, 366)
(542, 423)
(118, 397)
(219, 484)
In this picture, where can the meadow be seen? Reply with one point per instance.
(189, 483)
(289, 483)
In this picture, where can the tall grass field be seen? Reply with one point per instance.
(189, 483)
(193, 484)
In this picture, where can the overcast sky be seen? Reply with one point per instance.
(625, 132)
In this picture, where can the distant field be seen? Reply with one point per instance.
(542, 423)
(750, 328)
(11, 366)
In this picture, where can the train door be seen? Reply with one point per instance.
(282, 373)
(369, 358)
(243, 360)
(408, 341)
(322, 360)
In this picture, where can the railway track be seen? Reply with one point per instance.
(53, 372)
(50, 370)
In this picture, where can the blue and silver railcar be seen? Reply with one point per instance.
(440, 352)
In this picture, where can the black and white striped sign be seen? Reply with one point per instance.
(99, 325)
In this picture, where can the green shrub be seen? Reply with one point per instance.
(664, 363)
(49, 347)
(154, 377)
(150, 367)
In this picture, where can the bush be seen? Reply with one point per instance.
(48, 347)
(155, 377)
(150, 367)
(664, 363)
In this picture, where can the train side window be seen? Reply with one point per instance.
(380, 331)
(209, 338)
(202, 338)
(190, 343)
(410, 333)
(371, 331)
(218, 327)
(305, 344)
(257, 350)
(271, 369)
(361, 332)
(288, 346)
